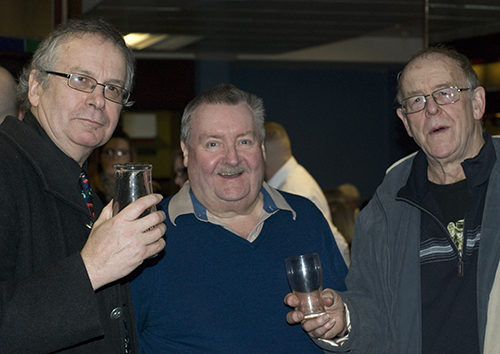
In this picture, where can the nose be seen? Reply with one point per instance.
(232, 157)
(431, 107)
(96, 98)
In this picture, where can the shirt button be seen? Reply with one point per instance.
(116, 313)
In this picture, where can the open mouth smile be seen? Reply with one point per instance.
(230, 174)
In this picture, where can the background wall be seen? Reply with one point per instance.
(340, 118)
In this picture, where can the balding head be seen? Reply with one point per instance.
(8, 92)
(278, 148)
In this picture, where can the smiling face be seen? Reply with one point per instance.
(225, 157)
(450, 133)
(78, 122)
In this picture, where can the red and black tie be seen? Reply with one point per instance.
(87, 192)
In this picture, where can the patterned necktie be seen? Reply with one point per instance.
(87, 192)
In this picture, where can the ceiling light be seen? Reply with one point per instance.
(175, 42)
(139, 41)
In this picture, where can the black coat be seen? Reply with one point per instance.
(47, 303)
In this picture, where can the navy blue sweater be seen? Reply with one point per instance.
(212, 291)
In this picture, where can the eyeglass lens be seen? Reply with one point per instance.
(441, 97)
(88, 84)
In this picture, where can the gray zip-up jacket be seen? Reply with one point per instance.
(383, 282)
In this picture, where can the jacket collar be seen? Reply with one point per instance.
(58, 172)
(477, 171)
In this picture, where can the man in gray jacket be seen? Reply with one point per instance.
(426, 247)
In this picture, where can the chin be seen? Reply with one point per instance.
(233, 196)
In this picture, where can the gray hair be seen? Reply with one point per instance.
(223, 94)
(47, 53)
(462, 61)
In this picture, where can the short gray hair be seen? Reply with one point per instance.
(462, 61)
(226, 94)
(47, 53)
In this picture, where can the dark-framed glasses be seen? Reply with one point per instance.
(442, 97)
(85, 83)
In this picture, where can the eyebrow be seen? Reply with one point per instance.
(217, 136)
(437, 87)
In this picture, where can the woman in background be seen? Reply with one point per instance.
(119, 149)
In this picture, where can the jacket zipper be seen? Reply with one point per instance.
(460, 261)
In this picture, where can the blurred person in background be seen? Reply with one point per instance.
(342, 215)
(119, 149)
(8, 95)
(180, 171)
(283, 172)
(351, 196)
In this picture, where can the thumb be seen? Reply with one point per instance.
(106, 214)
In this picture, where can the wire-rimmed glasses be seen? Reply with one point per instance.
(85, 83)
(112, 153)
(442, 97)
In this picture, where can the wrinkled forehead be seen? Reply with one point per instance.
(433, 70)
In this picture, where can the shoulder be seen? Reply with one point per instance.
(301, 205)
(495, 139)
(396, 177)
(17, 138)
(12, 152)
(402, 164)
(293, 198)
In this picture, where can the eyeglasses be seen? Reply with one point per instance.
(442, 97)
(112, 152)
(85, 83)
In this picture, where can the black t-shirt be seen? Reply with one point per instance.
(449, 311)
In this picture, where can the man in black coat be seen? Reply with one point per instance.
(61, 268)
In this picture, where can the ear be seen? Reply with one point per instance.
(479, 102)
(34, 89)
(263, 148)
(185, 150)
(404, 118)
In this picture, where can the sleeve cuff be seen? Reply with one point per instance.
(338, 341)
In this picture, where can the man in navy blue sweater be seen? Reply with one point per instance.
(219, 284)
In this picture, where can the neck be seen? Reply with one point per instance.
(241, 220)
(77, 153)
(445, 174)
(448, 172)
